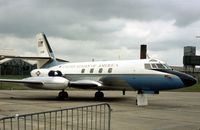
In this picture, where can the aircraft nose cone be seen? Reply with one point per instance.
(188, 80)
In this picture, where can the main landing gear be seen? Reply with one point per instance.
(99, 95)
(62, 94)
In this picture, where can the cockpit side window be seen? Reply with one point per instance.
(153, 66)
(160, 66)
(156, 66)
(147, 66)
(167, 67)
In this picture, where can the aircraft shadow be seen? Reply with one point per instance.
(70, 99)
(118, 99)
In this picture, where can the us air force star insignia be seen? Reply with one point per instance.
(38, 73)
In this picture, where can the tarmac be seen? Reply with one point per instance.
(166, 111)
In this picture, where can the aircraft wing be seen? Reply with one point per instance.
(22, 81)
(55, 83)
(58, 83)
(49, 83)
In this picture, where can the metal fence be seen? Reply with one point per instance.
(91, 117)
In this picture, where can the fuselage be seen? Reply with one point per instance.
(145, 75)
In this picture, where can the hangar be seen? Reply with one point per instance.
(16, 67)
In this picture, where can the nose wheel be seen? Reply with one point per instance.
(62, 95)
(99, 95)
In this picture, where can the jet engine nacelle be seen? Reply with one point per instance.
(39, 73)
(45, 73)
(53, 83)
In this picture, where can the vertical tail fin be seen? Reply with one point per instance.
(44, 49)
(45, 56)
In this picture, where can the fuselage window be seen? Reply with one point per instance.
(160, 66)
(110, 70)
(83, 71)
(92, 70)
(100, 70)
(147, 66)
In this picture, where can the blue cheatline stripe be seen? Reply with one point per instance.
(154, 83)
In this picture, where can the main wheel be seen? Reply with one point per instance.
(63, 95)
(99, 95)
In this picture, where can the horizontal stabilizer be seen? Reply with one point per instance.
(31, 58)
(42, 60)
(24, 57)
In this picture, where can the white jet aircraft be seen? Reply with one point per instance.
(146, 76)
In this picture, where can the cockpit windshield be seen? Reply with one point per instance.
(156, 66)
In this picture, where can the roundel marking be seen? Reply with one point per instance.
(38, 73)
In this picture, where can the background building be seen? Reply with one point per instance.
(16, 67)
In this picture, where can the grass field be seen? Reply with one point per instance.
(194, 88)
(12, 86)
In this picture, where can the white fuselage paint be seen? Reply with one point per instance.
(118, 67)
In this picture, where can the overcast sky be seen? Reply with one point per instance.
(82, 30)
